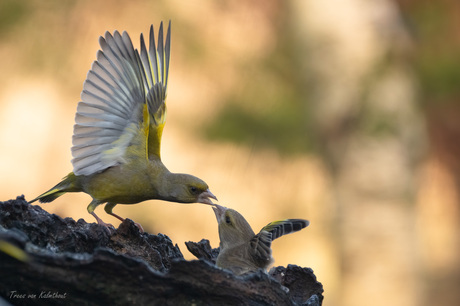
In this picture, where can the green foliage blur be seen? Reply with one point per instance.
(11, 14)
(437, 58)
(276, 87)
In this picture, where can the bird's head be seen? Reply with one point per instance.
(233, 227)
(185, 188)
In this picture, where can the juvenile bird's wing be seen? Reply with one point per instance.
(118, 102)
(156, 66)
(261, 243)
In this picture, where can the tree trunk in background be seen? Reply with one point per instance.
(439, 207)
(363, 99)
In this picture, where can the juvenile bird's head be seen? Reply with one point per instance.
(185, 188)
(233, 227)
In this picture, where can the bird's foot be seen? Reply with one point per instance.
(139, 227)
(110, 228)
(123, 219)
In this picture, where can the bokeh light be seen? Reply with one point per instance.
(345, 114)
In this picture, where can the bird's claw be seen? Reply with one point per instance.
(109, 227)
(141, 229)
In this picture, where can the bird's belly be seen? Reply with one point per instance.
(237, 259)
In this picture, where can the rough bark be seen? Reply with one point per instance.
(79, 263)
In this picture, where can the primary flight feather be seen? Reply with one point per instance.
(118, 129)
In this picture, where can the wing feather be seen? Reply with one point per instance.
(261, 243)
(146, 63)
(153, 61)
(156, 64)
(122, 83)
(161, 56)
(112, 99)
(167, 54)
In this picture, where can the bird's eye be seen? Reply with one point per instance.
(228, 220)
(193, 189)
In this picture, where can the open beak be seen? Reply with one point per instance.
(205, 196)
(219, 211)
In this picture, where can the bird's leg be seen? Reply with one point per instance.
(91, 207)
(99, 221)
(108, 209)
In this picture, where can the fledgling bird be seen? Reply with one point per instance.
(118, 127)
(241, 250)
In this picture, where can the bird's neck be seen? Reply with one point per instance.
(169, 186)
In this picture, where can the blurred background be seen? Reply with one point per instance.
(344, 113)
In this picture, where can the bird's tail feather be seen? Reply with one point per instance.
(49, 196)
(66, 185)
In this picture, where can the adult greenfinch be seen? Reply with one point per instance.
(118, 127)
(241, 250)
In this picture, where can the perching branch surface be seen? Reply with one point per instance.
(45, 259)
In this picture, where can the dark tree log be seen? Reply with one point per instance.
(79, 263)
(203, 250)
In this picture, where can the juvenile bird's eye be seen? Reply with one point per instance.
(228, 220)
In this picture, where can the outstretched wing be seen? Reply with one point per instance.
(156, 67)
(261, 243)
(118, 102)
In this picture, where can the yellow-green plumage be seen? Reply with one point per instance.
(242, 251)
(119, 124)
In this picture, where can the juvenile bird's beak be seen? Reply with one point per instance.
(219, 211)
(204, 197)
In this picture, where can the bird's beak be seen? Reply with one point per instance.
(205, 196)
(219, 211)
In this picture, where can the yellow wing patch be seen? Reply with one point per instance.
(155, 132)
(146, 129)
